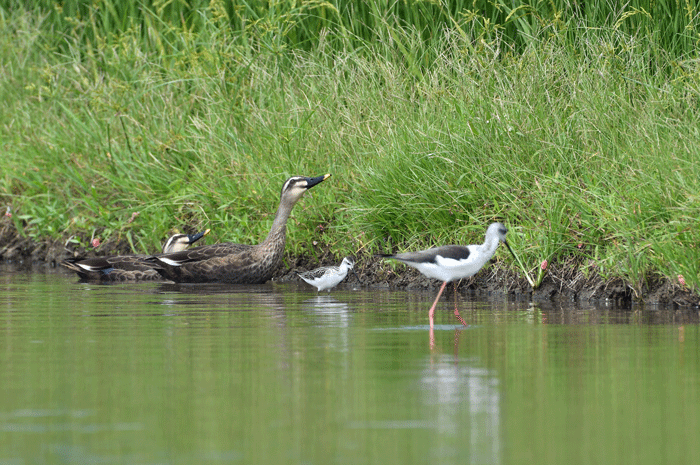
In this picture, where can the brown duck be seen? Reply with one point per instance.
(237, 263)
(127, 267)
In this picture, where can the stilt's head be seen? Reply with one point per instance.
(499, 230)
(294, 187)
(179, 242)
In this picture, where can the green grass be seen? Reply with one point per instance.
(579, 131)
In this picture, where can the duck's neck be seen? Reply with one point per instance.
(277, 236)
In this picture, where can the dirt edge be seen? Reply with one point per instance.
(561, 282)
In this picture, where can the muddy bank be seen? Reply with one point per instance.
(560, 282)
(493, 280)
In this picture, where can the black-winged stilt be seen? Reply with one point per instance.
(454, 262)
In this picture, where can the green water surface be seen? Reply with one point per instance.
(277, 374)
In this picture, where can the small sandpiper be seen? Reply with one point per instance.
(327, 277)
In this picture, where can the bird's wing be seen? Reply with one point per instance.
(317, 273)
(206, 252)
(457, 252)
(121, 262)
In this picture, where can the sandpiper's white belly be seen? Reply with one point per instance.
(329, 279)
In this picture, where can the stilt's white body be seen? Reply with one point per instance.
(327, 277)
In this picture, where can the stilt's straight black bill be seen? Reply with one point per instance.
(510, 250)
(311, 182)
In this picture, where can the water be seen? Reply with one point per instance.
(276, 374)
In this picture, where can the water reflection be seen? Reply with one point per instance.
(466, 400)
(587, 314)
(328, 311)
(165, 373)
(220, 296)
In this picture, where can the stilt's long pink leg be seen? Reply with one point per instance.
(431, 313)
(459, 317)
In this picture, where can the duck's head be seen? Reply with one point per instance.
(179, 242)
(294, 187)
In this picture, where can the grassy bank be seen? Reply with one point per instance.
(578, 131)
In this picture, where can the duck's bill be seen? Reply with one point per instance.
(311, 182)
(195, 237)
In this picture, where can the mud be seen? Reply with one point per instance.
(561, 282)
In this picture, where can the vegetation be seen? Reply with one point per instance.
(575, 123)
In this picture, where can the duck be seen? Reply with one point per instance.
(121, 268)
(238, 263)
(450, 263)
(327, 277)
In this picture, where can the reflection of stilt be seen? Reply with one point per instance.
(459, 317)
(458, 331)
(464, 399)
(431, 340)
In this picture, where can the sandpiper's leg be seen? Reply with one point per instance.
(459, 317)
(431, 313)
